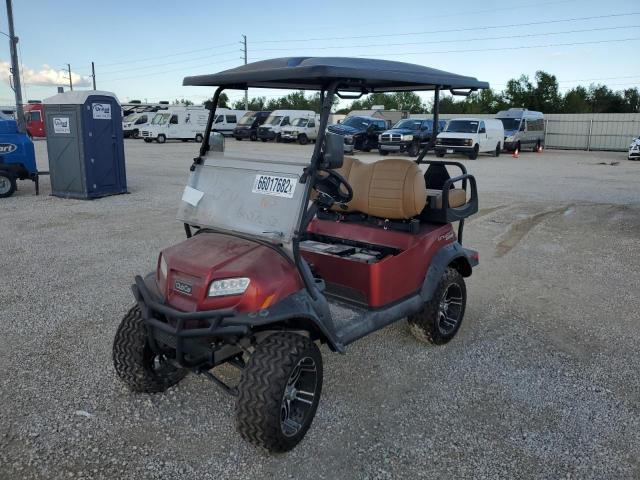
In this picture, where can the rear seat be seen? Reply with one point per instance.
(391, 189)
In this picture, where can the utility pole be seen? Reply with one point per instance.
(93, 74)
(15, 69)
(246, 92)
(70, 80)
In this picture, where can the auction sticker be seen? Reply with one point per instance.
(274, 185)
(61, 125)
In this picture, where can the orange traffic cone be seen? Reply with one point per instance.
(516, 153)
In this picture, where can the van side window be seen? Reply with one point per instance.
(482, 128)
(381, 124)
(141, 120)
(219, 118)
(523, 125)
(231, 119)
(285, 122)
(34, 116)
(174, 119)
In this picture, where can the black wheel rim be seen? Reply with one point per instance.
(299, 397)
(450, 309)
(5, 185)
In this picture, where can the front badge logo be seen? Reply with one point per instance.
(183, 287)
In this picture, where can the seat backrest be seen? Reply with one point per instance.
(392, 188)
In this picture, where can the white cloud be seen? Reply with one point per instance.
(46, 76)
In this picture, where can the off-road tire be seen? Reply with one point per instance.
(262, 387)
(303, 139)
(474, 153)
(161, 139)
(8, 181)
(131, 354)
(424, 324)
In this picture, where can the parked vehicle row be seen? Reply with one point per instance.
(178, 123)
(273, 126)
(360, 133)
(409, 136)
(522, 128)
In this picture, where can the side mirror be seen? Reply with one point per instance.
(523, 127)
(333, 151)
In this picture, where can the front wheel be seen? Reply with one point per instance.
(440, 319)
(474, 153)
(199, 138)
(161, 138)
(498, 150)
(384, 153)
(137, 365)
(7, 184)
(136, 133)
(303, 139)
(279, 391)
(414, 149)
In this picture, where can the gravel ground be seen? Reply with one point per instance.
(541, 381)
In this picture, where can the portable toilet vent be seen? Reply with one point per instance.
(85, 144)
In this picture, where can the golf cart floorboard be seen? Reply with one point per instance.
(353, 322)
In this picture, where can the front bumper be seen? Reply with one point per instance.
(634, 154)
(266, 134)
(453, 149)
(394, 146)
(242, 133)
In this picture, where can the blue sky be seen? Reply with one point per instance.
(143, 49)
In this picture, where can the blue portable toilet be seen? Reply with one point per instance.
(85, 144)
(17, 157)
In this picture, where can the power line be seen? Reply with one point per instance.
(169, 63)
(169, 55)
(523, 47)
(173, 70)
(457, 41)
(468, 29)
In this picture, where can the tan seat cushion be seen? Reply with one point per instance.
(391, 188)
(457, 198)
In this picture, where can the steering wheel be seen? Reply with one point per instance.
(331, 187)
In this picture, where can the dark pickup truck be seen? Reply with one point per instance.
(409, 135)
(360, 133)
(248, 125)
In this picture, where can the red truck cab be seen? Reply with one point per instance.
(34, 118)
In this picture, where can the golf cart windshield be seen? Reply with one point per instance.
(462, 126)
(257, 195)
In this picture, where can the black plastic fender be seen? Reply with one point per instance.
(454, 252)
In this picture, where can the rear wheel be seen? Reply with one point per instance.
(199, 138)
(279, 391)
(303, 139)
(384, 153)
(441, 317)
(474, 153)
(439, 154)
(498, 150)
(253, 137)
(7, 184)
(161, 138)
(536, 146)
(137, 365)
(278, 138)
(136, 133)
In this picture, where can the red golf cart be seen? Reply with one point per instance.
(283, 253)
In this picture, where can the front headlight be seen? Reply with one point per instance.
(163, 266)
(438, 141)
(509, 139)
(468, 142)
(379, 138)
(406, 138)
(228, 286)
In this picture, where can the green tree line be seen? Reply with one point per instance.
(541, 93)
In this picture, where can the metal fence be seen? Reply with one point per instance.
(585, 131)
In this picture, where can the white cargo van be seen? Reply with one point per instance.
(179, 123)
(226, 120)
(132, 124)
(522, 128)
(302, 130)
(470, 136)
(271, 129)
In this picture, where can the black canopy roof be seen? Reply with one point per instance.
(314, 73)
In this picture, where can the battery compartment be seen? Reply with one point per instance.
(346, 249)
